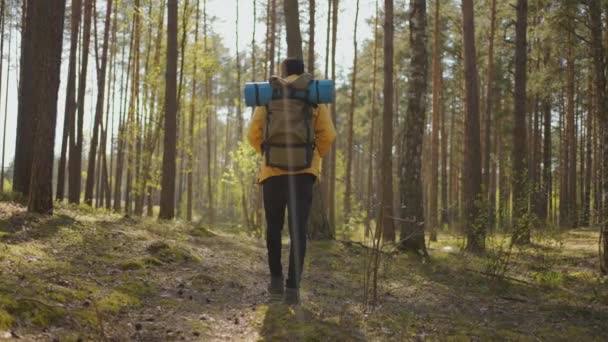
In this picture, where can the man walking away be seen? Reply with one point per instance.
(292, 135)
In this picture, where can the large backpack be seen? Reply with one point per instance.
(289, 137)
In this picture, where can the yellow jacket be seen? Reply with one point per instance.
(325, 134)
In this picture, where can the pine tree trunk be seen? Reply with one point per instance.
(101, 88)
(571, 140)
(601, 107)
(76, 148)
(3, 18)
(547, 156)
(191, 127)
(410, 170)
(239, 112)
(471, 182)
(487, 145)
(209, 119)
(167, 202)
(132, 125)
(326, 169)
(586, 204)
(350, 129)
(521, 234)
(437, 107)
(292, 24)
(181, 119)
(122, 128)
(44, 22)
(311, 37)
(386, 165)
(331, 201)
(272, 38)
(372, 130)
(25, 117)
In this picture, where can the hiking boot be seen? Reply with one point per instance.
(276, 285)
(292, 296)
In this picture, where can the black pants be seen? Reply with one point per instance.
(295, 193)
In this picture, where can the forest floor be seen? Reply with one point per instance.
(90, 275)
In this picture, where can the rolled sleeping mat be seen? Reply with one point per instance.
(260, 93)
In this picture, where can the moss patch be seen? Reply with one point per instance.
(170, 254)
(115, 301)
(35, 312)
(6, 320)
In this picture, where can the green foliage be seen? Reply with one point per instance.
(240, 180)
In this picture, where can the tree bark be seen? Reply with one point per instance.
(101, 88)
(372, 130)
(588, 157)
(331, 180)
(292, 24)
(190, 195)
(3, 18)
(311, 37)
(386, 166)
(75, 161)
(209, 119)
(487, 145)
(521, 234)
(437, 107)
(571, 212)
(25, 116)
(350, 127)
(45, 26)
(412, 199)
(122, 129)
(167, 194)
(471, 181)
(601, 107)
(547, 156)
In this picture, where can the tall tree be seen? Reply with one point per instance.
(331, 193)
(25, 117)
(101, 89)
(410, 181)
(272, 36)
(471, 180)
(386, 164)
(8, 73)
(601, 108)
(292, 25)
(350, 128)
(122, 135)
(571, 134)
(44, 22)
(521, 234)
(547, 155)
(487, 137)
(190, 195)
(167, 194)
(311, 37)
(208, 123)
(76, 147)
(437, 108)
(372, 130)
(70, 101)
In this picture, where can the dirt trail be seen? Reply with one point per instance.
(86, 275)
